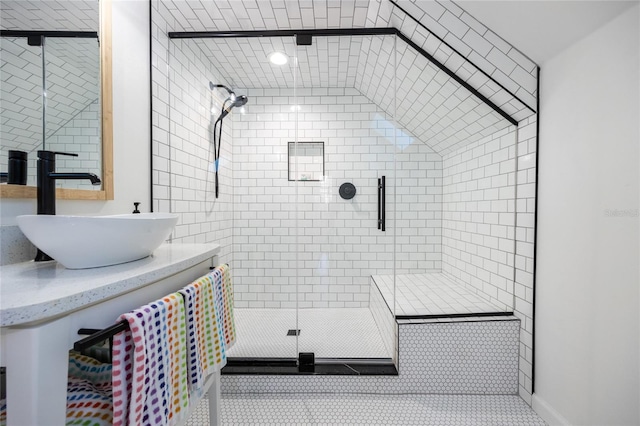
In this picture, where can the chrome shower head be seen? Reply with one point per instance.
(239, 101)
(229, 103)
(235, 101)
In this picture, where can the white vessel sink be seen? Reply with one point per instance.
(80, 242)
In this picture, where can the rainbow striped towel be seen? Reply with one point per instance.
(88, 391)
(221, 277)
(177, 335)
(204, 346)
(149, 365)
(210, 326)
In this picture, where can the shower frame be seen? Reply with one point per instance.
(309, 33)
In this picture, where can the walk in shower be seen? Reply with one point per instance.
(362, 182)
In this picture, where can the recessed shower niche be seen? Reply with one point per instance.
(306, 161)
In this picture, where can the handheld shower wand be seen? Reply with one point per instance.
(233, 101)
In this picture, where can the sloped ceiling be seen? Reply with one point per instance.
(424, 99)
(431, 106)
(498, 71)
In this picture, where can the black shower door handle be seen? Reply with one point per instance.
(381, 203)
(379, 199)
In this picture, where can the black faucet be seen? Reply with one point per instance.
(47, 176)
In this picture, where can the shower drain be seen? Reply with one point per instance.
(293, 332)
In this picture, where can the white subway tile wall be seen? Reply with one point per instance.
(525, 248)
(184, 111)
(479, 186)
(339, 245)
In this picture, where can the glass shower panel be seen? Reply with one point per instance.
(254, 218)
(455, 200)
(345, 102)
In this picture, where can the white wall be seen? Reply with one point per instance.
(130, 121)
(587, 323)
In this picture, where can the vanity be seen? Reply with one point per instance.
(43, 305)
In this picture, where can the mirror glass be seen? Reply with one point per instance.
(20, 101)
(72, 111)
(62, 111)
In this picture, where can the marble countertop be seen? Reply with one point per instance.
(31, 292)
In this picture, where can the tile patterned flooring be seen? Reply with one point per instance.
(362, 409)
(431, 294)
(329, 332)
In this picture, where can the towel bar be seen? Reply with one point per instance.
(99, 336)
(102, 335)
(211, 268)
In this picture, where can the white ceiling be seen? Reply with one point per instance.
(541, 29)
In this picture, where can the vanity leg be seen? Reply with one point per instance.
(37, 364)
(215, 402)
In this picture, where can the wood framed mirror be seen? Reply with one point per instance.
(106, 127)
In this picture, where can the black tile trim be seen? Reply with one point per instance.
(289, 367)
(535, 243)
(460, 81)
(348, 32)
(462, 56)
(151, 174)
(467, 321)
(255, 362)
(465, 315)
(284, 33)
(24, 33)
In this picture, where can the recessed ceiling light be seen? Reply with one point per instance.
(278, 58)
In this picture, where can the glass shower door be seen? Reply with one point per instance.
(344, 145)
(254, 218)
